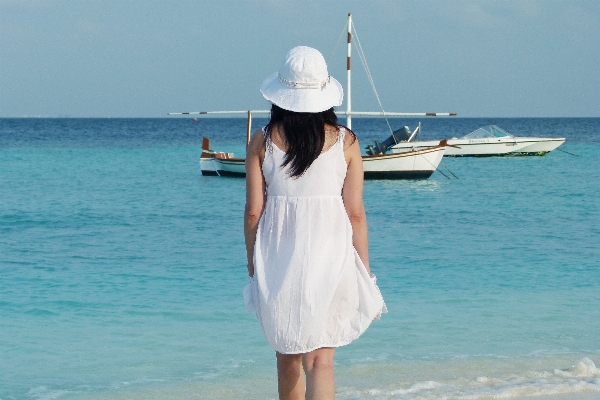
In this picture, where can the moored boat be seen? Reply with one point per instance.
(483, 142)
(418, 164)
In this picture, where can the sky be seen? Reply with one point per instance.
(130, 58)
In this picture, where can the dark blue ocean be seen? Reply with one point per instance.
(121, 267)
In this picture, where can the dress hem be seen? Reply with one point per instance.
(340, 344)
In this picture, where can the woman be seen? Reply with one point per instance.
(306, 229)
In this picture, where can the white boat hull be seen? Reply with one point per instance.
(418, 164)
(541, 147)
(406, 165)
(488, 147)
(223, 167)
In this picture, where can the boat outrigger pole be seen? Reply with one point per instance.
(249, 113)
(348, 115)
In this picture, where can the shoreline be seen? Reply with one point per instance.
(594, 395)
(423, 380)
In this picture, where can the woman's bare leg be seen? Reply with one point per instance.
(320, 380)
(290, 377)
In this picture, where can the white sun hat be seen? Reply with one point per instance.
(303, 84)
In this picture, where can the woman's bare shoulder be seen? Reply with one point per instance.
(350, 139)
(257, 142)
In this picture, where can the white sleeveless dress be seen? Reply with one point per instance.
(310, 289)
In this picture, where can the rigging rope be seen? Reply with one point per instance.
(442, 162)
(363, 59)
(434, 167)
(338, 42)
(573, 154)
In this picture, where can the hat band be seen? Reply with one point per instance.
(304, 85)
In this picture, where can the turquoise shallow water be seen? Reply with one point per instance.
(121, 268)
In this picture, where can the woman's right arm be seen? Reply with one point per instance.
(352, 194)
(255, 194)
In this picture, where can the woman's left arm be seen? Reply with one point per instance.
(352, 195)
(255, 194)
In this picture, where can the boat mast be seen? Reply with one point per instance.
(249, 128)
(348, 91)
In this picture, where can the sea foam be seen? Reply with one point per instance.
(584, 376)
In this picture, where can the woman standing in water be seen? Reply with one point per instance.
(306, 229)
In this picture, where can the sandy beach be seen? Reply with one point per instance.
(569, 396)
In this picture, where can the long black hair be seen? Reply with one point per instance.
(304, 135)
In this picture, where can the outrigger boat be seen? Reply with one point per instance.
(411, 164)
(484, 142)
(407, 165)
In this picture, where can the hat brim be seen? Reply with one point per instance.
(302, 100)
